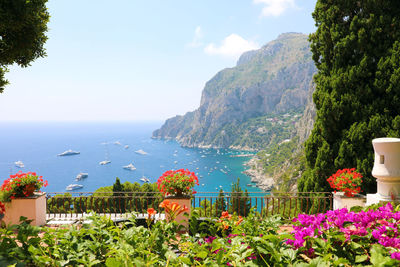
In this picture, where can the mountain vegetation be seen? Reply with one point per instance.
(22, 33)
(356, 49)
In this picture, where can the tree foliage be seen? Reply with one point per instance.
(356, 49)
(23, 25)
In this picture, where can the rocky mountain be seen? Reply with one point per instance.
(254, 104)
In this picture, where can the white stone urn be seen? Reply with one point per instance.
(386, 170)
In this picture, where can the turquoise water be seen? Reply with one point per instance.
(37, 145)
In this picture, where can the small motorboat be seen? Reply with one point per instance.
(129, 167)
(141, 152)
(69, 152)
(73, 187)
(81, 176)
(19, 164)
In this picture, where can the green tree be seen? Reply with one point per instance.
(118, 197)
(220, 204)
(23, 25)
(240, 201)
(356, 49)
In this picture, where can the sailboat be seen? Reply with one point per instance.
(104, 162)
(144, 179)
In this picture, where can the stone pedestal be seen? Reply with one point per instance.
(386, 170)
(34, 208)
(341, 201)
(182, 219)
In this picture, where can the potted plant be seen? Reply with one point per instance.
(177, 186)
(21, 195)
(348, 183)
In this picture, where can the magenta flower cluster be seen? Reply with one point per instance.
(383, 224)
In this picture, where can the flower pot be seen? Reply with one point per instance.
(182, 219)
(341, 201)
(33, 207)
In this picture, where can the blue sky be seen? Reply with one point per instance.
(129, 60)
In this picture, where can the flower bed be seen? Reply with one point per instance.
(335, 238)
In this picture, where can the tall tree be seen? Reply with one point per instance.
(356, 49)
(220, 204)
(118, 197)
(23, 25)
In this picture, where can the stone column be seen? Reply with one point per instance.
(386, 170)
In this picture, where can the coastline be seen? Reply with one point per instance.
(257, 176)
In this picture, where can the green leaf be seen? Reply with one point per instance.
(113, 262)
(361, 258)
(185, 260)
(202, 254)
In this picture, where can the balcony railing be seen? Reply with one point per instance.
(208, 204)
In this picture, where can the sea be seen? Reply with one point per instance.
(37, 145)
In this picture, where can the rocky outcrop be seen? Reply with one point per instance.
(274, 79)
(305, 125)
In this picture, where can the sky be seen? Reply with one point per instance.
(130, 60)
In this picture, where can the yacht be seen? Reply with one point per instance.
(141, 152)
(81, 176)
(126, 146)
(73, 187)
(69, 152)
(223, 171)
(175, 162)
(145, 179)
(104, 162)
(19, 164)
(129, 167)
(117, 143)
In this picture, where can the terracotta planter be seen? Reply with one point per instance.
(33, 207)
(341, 201)
(182, 200)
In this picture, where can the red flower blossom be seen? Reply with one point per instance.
(179, 182)
(21, 185)
(2, 208)
(347, 181)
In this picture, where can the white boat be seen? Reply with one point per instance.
(104, 162)
(117, 143)
(141, 152)
(203, 156)
(223, 171)
(19, 164)
(81, 176)
(73, 187)
(145, 179)
(126, 146)
(129, 167)
(69, 152)
(175, 162)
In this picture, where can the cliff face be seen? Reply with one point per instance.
(272, 80)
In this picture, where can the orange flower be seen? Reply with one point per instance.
(151, 212)
(239, 221)
(226, 215)
(164, 204)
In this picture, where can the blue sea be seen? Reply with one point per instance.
(37, 145)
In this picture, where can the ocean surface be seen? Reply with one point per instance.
(37, 145)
